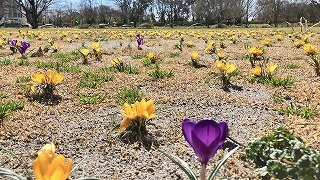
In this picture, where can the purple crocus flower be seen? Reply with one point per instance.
(13, 44)
(23, 47)
(140, 41)
(205, 137)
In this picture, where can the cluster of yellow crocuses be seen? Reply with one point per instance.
(45, 81)
(257, 70)
(255, 51)
(48, 77)
(51, 166)
(310, 50)
(225, 66)
(138, 112)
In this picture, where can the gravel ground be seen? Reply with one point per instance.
(85, 132)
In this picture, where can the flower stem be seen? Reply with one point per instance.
(203, 172)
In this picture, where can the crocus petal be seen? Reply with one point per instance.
(68, 168)
(205, 139)
(48, 150)
(230, 68)
(59, 160)
(39, 78)
(150, 106)
(127, 110)
(219, 64)
(272, 67)
(40, 166)
(187, 126)
(257, 70)
(58, 173)
(125, 123)
(224, 132)
(57, 78)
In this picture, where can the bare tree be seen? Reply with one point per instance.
(161, 6)
(32, 9)
(132, 10)
(2, 4)
(88, 11)
(125, 8)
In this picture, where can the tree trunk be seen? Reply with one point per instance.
(34, 16)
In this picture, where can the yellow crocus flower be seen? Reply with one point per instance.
(85, 51)
(48, 77)
(139, 111)
(279, 37)
(95, 46)
(69, 40)
(189, 43)
(255, 51)
(230, 68)
(116, 61)
(194, 56)
(220, 54)
(257, 71)
(50, 40)
(271, 67)
(54, 46)
(220, 64)
(310, 50)
(150, 55)
(298, 43)
(57, 169)
(1, 44)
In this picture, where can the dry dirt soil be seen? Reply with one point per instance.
(85, 132)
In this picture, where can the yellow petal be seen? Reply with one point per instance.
(59, 160)
(220, 64)
(49, 74)
(194, 56)
(58, 174)
(127, 110)
(220, 54)
(272, 67)
(57, 78)
(125, 123)
(150, 107)
(257, 71)
(39, 78)
(140, 107)
(40, 166)
(150, 55)
(85, 51)
(230, 68)
(48, 150)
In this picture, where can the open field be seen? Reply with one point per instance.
(81, 117)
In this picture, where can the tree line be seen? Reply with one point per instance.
(168, 12)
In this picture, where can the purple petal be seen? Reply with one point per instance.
(140, 41)
(25, 44)
(224, 132)
(187, 126)
(13, 42)
(205, 137)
